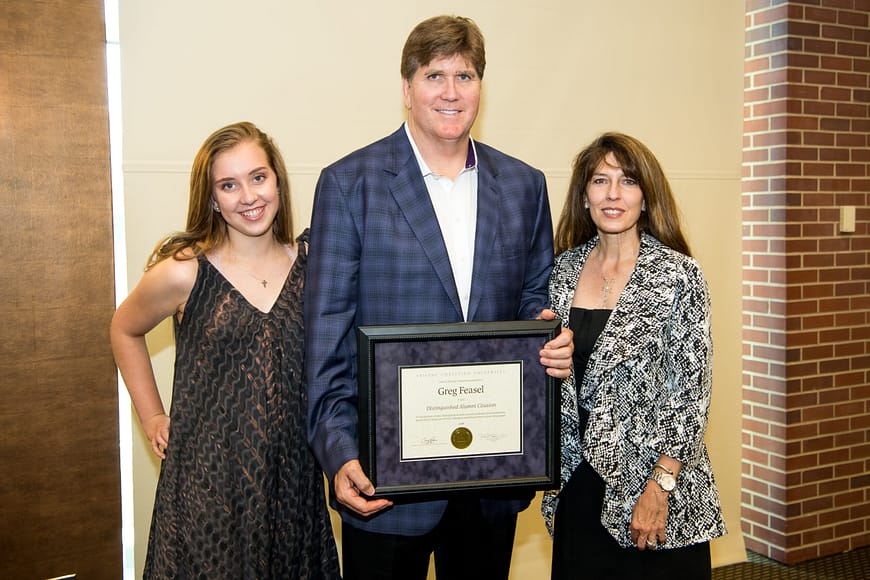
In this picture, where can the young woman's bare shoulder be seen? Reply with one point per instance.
(177, 273)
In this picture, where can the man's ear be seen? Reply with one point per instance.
(406, 92)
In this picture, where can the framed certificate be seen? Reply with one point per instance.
(457, 407)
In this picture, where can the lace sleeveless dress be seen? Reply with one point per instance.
(240, 495)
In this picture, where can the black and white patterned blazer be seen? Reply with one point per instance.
(647, 386)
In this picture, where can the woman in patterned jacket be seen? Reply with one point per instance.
(638, 497)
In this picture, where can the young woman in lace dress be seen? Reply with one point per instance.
(240, 494)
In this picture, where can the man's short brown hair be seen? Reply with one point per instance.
(443, 36)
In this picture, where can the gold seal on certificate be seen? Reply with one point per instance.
(461, 437)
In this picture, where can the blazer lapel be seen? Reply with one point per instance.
(637, 319)
(409, 190)
(488, 217)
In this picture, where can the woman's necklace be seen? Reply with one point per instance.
(258, 278)
(605, 290)
(609, 283)
(262, 281)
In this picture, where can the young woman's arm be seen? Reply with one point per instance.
(160, 293)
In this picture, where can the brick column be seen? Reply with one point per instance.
(806, 284)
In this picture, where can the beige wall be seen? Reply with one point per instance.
(323, 79)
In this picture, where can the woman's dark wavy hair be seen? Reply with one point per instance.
(661, 218)
(206, 228)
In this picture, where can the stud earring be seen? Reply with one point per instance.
(217, 208)
(586, 204)
(643, 205)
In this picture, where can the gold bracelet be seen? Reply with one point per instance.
(663, 468)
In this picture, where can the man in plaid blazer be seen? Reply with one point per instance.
(423, 226)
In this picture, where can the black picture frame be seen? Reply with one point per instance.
(385, 350)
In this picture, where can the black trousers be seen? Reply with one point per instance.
(583, 548)
(467, 546)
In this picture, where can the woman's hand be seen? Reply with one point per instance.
(649, 517)
(156, 429)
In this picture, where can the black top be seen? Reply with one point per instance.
(587, 325)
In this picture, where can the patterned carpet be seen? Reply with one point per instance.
(854, 565)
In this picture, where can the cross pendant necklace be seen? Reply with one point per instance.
(262, 281)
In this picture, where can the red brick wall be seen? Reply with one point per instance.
(806, 285)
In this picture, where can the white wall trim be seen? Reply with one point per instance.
(173, 167)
